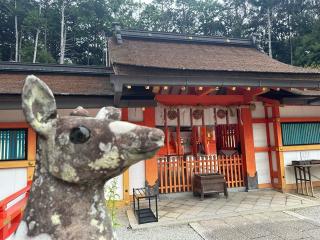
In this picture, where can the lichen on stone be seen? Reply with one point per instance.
(109, 160)
(68, 173)
(55, 219)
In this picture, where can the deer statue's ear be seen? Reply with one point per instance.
(38, 105)
(109, 113)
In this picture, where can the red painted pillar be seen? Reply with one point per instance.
(151, 165)
(247, 148)
(278, 147)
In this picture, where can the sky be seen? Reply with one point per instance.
(145, 1)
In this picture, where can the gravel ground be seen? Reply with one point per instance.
(177, 232)
(180, 232)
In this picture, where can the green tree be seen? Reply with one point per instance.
(209, 17)
(307, 52)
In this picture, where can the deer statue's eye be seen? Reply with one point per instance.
(79, 135)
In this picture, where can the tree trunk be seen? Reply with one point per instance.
(45, 39)
(269, 32)
(16, 31)
(62, 34)
(36, 40)
(20, 46)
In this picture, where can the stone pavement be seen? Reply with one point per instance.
(254, 215)
(262, 226)
(184, 208)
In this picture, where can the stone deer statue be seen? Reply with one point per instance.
(77, 155)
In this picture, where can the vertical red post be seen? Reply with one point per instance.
(178, 134)
(278, 146)
(247, 148)
(126, 196)
(151, 165)
(269, 143)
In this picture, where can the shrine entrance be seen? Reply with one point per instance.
(199, 141)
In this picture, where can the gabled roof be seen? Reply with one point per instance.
(181, 52)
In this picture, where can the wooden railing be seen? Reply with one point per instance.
(176, 172)
(11, 212)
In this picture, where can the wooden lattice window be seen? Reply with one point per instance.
(305, 133)
(13, 144)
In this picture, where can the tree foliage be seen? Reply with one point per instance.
(295, 26)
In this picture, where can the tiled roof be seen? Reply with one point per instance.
(172, 51)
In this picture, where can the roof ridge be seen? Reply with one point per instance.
(186, 38)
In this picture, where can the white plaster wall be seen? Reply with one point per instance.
(298, 156)
(263, 169)
(119, 191)
(274, 161)
(260, 135)
(137, 176)
(269, 112)
(159, 118)
(135, 114)
(300, 111)
(184, 117)
(11, 181)
(271, 134)
(259, 111)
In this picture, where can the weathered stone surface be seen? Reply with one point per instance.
(77, 155)
(80, 111)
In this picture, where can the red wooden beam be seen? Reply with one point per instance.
(269, 101)
(252, 94)
(300, 119)
(193, 100)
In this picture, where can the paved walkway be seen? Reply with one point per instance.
(262, 226)
(184, 208)
(254, 215)
(302, 223)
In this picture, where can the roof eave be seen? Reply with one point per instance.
(54, 69)
(281, 80)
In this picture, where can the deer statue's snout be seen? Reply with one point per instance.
(157, 136)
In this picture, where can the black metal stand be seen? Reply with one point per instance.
(145, 215)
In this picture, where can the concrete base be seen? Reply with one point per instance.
(252, 182)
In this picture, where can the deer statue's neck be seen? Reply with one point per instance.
(60, 210)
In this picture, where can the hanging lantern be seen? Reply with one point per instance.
(197, 114)
(221, 113)
(172, 114)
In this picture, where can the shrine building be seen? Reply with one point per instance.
(223, 105)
